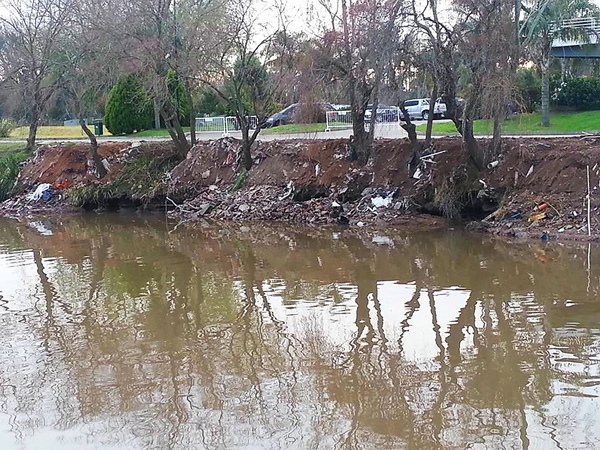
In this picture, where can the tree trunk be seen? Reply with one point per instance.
(176, 131)
(99, 166)
(471, 143)
(360, 138)
(410, 128)
(434, 94)
(33, 127)
(156, 115)
(545, 67)
(246, 142)
(497, 137)
(188, 93)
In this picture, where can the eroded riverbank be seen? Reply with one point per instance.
(536, 188)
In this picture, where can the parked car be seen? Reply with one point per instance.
(420, 108)
(385, 113)
(417, 108)
(287, 115)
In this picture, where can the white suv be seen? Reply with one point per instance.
(419, 108)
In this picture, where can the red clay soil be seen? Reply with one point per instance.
(558, 177)
(308, 162)
(69, 162)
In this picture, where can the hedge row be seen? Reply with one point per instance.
(579, 93)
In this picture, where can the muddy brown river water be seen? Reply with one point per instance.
(124, 332)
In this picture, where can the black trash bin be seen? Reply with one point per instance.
(99, 128)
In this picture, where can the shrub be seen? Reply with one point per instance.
(6, 127)
(128, 108)
(579, 93)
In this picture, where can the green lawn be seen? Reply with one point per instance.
(560, 122)
(73, 132)
(8, 149)
(53, 132)
(155, 133)
(296, 128)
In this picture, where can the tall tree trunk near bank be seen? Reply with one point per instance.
(175, 131)
(434, 94)
(246, 144)
(156, 115)
(100, 169)
(545, 67)
(463, 118)
(471, 143)
(188, 93)
(360, 139)
(416, 148)
(33, 127)
(497, 137)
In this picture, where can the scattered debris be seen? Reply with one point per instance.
(42, 192)
(529, 172)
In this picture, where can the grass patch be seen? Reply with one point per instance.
(241, 180)
(560, 122)
(8, 149)
(140, 181)
(75, 132)
(11, 156)
(9, 171)
(53, 132)
(155, 133)
(296, 128)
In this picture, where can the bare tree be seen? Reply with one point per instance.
(147, 33)
(246, 73)
(473, 52)
(89, 69)
(361, 52)
(32, 31)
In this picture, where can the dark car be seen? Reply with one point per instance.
(288, 114)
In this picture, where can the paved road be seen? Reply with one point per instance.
(391, 131)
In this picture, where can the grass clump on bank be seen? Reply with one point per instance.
(140, 182)
(11, 156)
(9, 171)
(560, 122)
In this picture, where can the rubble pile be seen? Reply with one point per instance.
(274, 203)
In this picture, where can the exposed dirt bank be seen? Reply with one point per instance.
(537, 188)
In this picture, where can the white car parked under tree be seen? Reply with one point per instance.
(419, 108)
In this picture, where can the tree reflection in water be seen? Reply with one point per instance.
(117, 333)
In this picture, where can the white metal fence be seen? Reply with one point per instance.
(222, 124)
(210, 124)
(591, 24)
(338, 119)
(343, 119)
